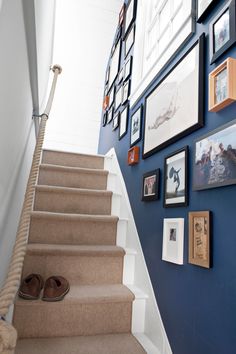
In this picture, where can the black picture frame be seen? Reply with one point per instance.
(111, 95)
(196, 123)
(130, 15)
(136, 126)
(118, 97)
(126, 91)
(110, 113)
(128, 68)
(104, 119)
(129, 41)
(115, 63)
(228, 10)
(120, 76)
(151, 186)
(124, 118)
(116, 121)
(214, 159)
(207, 6)
(107, 75)
(175, 177)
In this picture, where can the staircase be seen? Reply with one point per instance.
(73, 234)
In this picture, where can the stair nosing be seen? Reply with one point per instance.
(76, 153)
(55, 189)
(46, 166)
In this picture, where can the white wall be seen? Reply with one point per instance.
(83, 38)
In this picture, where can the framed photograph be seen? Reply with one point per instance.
(118, 97)
(203, 8)
(123, 122)
(126, 91)
(199, 238)
(150, 188)
(120, 76)
(128, 68)
(104, 119)
(122, 15)
(111, 96)
(222, 85)
(222, 31)
(114, 63)
(110, 115)
(129, 15)
(215, 158)
(116, 121)
(105, 103)
(129, 41)
(175, 107)
(133, 155)
(136, 126)
(173, 241)
(107, 75)
(176, 179)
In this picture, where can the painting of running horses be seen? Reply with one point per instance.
(215, 158)
(175, 107)
(176, 179)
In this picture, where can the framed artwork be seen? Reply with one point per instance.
(222, 31)
(222, 85)
(118, 97)
(105, 102)
(104, 119)
(115, 63)
(203, 7)
(129, 41)
(111, 96)
(176, 179)
(175, 107)
(199, 238)
(110, 115)
(120, 76)
(150, 187)
(116, 121)
(173, 240)
(126, 91)
(215, 158)
(122, 15)
(128, 68)
(107, 75)
(136, 126)
(133, 155)
(123, 122)
(129, 15)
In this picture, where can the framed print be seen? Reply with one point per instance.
(114, 64)
(173, 241)
(104, 119)
(116, 121)
(129, 15)
(105, 103)
(129, 41)
(120, 76)
(136, 126)
(122, 15)
(222, 85)
(126, 91)
(150, 187)
(128, 68)
(215, 158)
(118, 97)
(203, 7)
(222, 31)
(199, 238)
(111, 96)
(107, 75)
(175, 107)
(110, 115)
(176, 179)
(123, 122)
(133, 155)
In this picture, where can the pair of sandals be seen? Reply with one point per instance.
(54, 289)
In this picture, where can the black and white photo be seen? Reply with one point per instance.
(135, 126)
(123, 122)
(173, 240)
(150, 188)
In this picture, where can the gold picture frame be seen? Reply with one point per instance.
(222, 85)
(199, 238)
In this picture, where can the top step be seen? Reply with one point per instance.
(72, 159)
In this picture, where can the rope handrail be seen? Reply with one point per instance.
(8, 335)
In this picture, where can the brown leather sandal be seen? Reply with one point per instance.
(31, 287)
(55, 289)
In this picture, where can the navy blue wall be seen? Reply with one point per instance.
(197, 305)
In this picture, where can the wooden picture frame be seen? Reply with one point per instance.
(199, 238)
(222, 85)
(133, 156)
(150, 186)
(203, 8)
(130, 14)
(175, 97)
(116, 121)
(124, 115)
(129, 41)
(222, 31)
(176, 179)
(136, 126)
(173, 241)
(105, 102)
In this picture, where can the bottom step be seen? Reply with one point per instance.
(102, 344)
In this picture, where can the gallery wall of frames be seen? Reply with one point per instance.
(177, 150)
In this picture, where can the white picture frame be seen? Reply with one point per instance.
(173, 240)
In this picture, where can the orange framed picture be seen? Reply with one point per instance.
(105, 103)
(133, 155)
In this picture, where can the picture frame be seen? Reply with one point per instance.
(130, 13)
(150, 185)
(120, 76)
(107, 75)
(222, 85)
(111, 96)
(122, 14)
(104, 119)
(126, 91)
(176, 179)
(116, 121)
(203, 8)
(214, 158)
(133, 156)
(173, 240)
(129, 41)
(124, 115)
(172, 109)
(222, 31)
(110, 114)
(136, 126)
(199, 238)
(114, 63)
(105, 102)
(128, 68)
(118, 97)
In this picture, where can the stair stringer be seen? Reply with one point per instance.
(147, 325)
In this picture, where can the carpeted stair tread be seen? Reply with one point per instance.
(74, 217)
(124, 343)
(56, 189)
(95, 171)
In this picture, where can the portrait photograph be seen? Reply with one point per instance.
(173, 240)
(136, 125)
(221, 31)
(150, 189)
(221, 85)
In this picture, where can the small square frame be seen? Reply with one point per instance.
(136, 119)
(150, 186)
(124, 115)
(173, 241)
(116, 121)
(133, 156)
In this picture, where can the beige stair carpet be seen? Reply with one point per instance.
(73, 234)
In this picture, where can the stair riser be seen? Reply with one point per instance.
(72, 203)
(72, 232)
(72, 179)
(79, 270)
(72, 160)
(61, 319)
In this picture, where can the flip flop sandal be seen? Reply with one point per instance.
(31, 287)
(55, 289)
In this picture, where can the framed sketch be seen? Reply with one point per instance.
(128, 68)
(136, 126)
(110, 115)
(129, 15)
(126, 92)
(116, 121)
(222, 31)
(199, 238)
(215, 158)
(114, 63)
(176, 179)
(118, 97)
(129, 41)
(222, 85)
(173, 241)
(123, 122)
(150, 187)
(203, 7)
(104, 119)
(175, 107)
